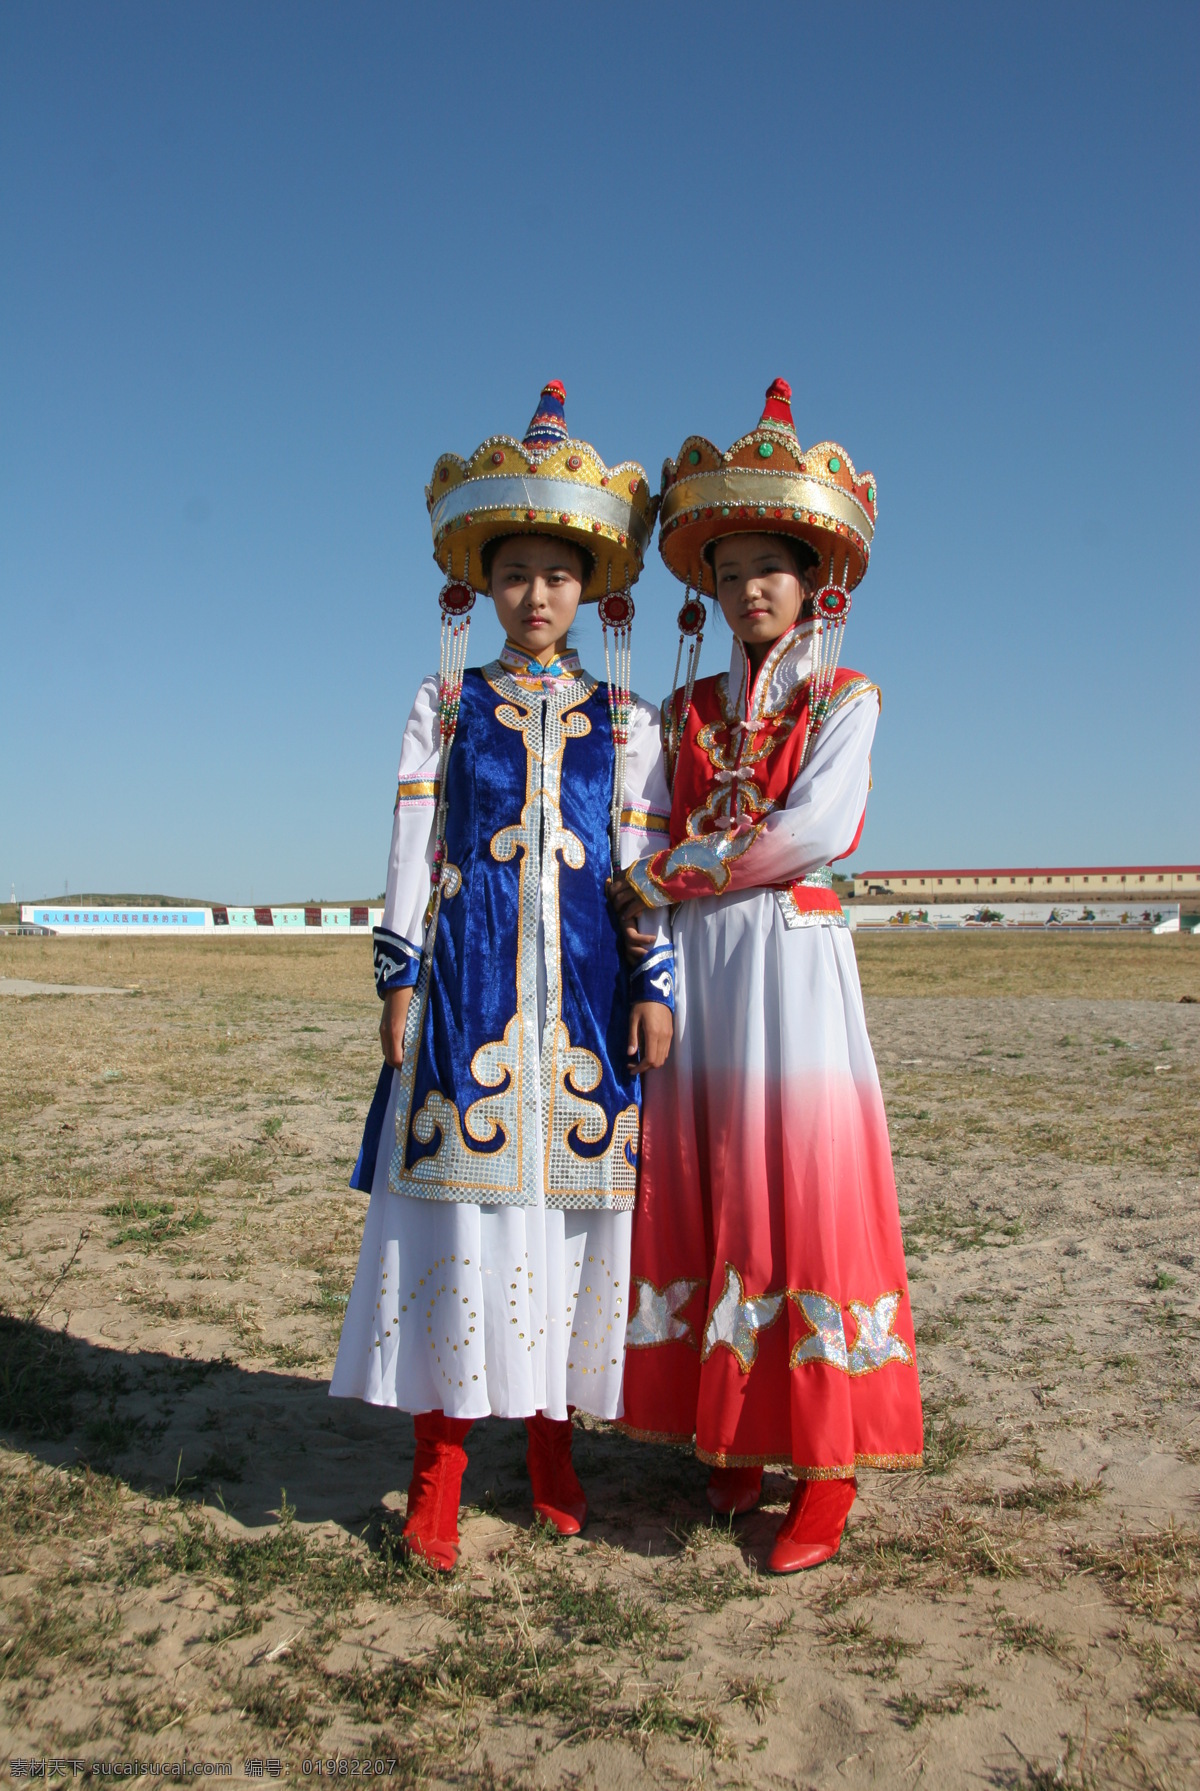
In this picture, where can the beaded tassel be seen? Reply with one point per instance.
(691, 628)
(456, 602)
(831, 606)
(616, 612)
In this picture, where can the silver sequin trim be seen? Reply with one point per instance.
(508, 1175)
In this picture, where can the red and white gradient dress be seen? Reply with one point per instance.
(770, 1316)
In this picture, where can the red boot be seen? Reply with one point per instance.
(558, 1498)
(731, 1491)
(812, 1530)
(431, 1527)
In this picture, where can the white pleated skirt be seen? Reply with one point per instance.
(481, 1311)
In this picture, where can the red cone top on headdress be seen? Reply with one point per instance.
(549, 424)
(778, 407)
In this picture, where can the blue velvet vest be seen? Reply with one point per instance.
(488, 1106)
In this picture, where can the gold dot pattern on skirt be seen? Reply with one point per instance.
(438, 1282)
(514, 1316)
(602, 1346)
(590, 1354)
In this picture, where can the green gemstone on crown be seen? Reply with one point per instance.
(766, 449)
(835, 465)
(694, 457)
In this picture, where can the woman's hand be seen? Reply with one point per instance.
(651, 1029)
(392, 1023)
(630, 910)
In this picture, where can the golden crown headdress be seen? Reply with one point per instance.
(545, 484)
(767, 483)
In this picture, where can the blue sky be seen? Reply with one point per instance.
(262, 264)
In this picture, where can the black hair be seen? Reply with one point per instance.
(488, 551)
(803, 554)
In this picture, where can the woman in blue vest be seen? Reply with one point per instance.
(501, 1149)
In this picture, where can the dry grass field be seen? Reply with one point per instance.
(198, 1553)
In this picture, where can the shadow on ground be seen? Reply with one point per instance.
(237, 1438)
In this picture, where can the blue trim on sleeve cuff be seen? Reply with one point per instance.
(654, 978)
(397, 960)
(403, 979)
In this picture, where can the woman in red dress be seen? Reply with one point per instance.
(770, 1318)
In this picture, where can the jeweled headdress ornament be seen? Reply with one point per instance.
(545, 484)
(766, 483)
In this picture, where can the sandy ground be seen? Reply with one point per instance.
(197, 1547)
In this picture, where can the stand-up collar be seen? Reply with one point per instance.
(787, 665)
(533, 675)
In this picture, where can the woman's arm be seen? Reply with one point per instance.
(645, 828)
(819, 822)
(399, 939)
